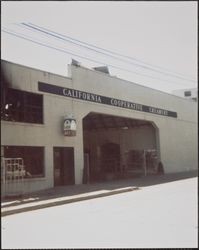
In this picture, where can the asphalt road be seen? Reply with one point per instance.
(158, 216)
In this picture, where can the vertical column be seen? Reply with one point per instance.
(48, 166)
(79, 153)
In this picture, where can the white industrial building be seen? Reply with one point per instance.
(188, 93)
(89, 126)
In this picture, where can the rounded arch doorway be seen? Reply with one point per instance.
(118, 147)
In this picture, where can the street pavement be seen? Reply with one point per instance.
(155, 216)
(74, 193)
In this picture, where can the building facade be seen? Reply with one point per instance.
(188, 93)
(91, 126)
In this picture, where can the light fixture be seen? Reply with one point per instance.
(125, 128)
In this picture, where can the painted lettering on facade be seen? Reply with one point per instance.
(158, 111)
(91, 97)
(125, 104)
(81, 95)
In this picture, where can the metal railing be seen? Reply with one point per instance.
(12, 176)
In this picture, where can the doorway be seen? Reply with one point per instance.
(110, 157)
(116, 146)
(63, 166)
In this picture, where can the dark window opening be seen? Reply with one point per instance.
(22, 106)
(33, 158)
(187, 93)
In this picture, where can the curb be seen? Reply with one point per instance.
(60, 201)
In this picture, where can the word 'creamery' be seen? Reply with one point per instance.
(90, 97)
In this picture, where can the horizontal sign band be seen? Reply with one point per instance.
(90, 97)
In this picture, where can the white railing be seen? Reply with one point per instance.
(12, 178)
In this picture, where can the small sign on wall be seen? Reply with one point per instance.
(70, 126)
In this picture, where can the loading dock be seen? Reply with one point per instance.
(120, 129)
(118, 147)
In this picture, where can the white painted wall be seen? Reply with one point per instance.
(181, 93)
(177, 136)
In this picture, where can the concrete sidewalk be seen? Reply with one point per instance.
(67, 194)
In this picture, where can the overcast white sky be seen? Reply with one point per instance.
(159, 33)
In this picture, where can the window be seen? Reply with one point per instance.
(22, 106)
(33, 158)
(187, 93)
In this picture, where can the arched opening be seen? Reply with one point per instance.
(118, 147)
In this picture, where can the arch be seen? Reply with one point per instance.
(111, 144)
